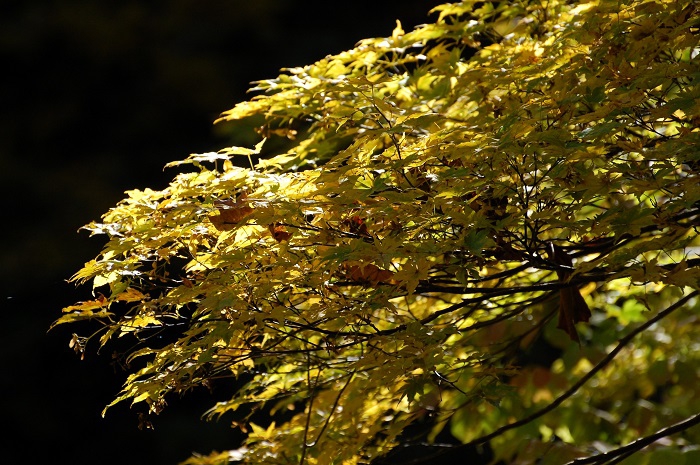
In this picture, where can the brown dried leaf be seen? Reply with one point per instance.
(230, 213)
(279, 232)
(368, 274)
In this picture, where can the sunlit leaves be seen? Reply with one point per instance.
(453, 225)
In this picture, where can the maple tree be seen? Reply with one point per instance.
(421, 218)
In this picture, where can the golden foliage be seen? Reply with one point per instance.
(425, 204)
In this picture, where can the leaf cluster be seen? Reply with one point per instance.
(395, 253)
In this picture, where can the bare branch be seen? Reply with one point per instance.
(635, 446)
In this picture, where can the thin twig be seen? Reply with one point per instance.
(333, 409)
(312, 396)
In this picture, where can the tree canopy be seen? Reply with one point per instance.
(487, 225)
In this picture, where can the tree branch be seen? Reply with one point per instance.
(573, 389)
(640, 443)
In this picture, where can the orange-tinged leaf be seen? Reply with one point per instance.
(279, 232)
(87, 305)
(572, 306)
(131, 295)
(230, 213)
(368, 273)
(356, 225)
(84, 310)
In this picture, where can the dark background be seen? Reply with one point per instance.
(96, 97)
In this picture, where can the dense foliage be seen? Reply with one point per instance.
(487, 225)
